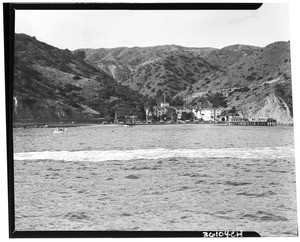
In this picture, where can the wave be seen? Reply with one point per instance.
(159, 153)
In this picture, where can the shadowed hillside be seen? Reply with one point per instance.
(50, 83)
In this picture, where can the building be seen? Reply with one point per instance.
(167, 112)
(207, 114)
(164, 105)
(149, 114)
(218, 112)
(255, 119)
(180, 110)
(159, 111)
(236, 119)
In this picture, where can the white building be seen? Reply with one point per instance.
(164, 105)
(207, 114)
(218, 112)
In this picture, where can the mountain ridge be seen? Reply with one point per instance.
(243, 73)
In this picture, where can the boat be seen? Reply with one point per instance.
(128, 125)
(59, 130)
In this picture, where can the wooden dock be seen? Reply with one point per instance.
(245, 122)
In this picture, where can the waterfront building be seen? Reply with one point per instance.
(236, 120)
(159, 111)
(197, 113)
(217, 112)
(180, 110)
(232, 119)
(167, 112)
(256, 119)
(207, 114)
(149, 114)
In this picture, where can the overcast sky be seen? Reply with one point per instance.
(75, 29)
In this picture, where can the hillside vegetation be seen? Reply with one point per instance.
(55, 83)
(50, 83)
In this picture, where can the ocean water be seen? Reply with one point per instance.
(156, 177)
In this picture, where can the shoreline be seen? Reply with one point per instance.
(68, 125)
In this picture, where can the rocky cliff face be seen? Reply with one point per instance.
(270, 107)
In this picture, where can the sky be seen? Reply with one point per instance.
(74, 29)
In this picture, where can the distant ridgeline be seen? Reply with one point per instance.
(87, 84)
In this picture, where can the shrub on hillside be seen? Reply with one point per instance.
(177, 102)
(244, 89)
(217, 100)
(250, 78)
(69, 88)
(76, 77)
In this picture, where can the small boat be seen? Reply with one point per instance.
(128, 125)
(59, 130)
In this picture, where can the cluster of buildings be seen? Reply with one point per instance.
(164, 111)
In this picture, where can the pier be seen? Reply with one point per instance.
(252, 121)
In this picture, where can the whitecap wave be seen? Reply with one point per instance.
(100, 155)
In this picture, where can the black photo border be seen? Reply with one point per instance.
(9, 31)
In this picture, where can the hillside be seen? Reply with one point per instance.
(142, 68)
(229, 54)
(247, 73)
(50, 83)
(252, 81)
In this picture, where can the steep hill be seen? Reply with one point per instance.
(170, 74)
(250, 82)
(50, 83)
(169, 68)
